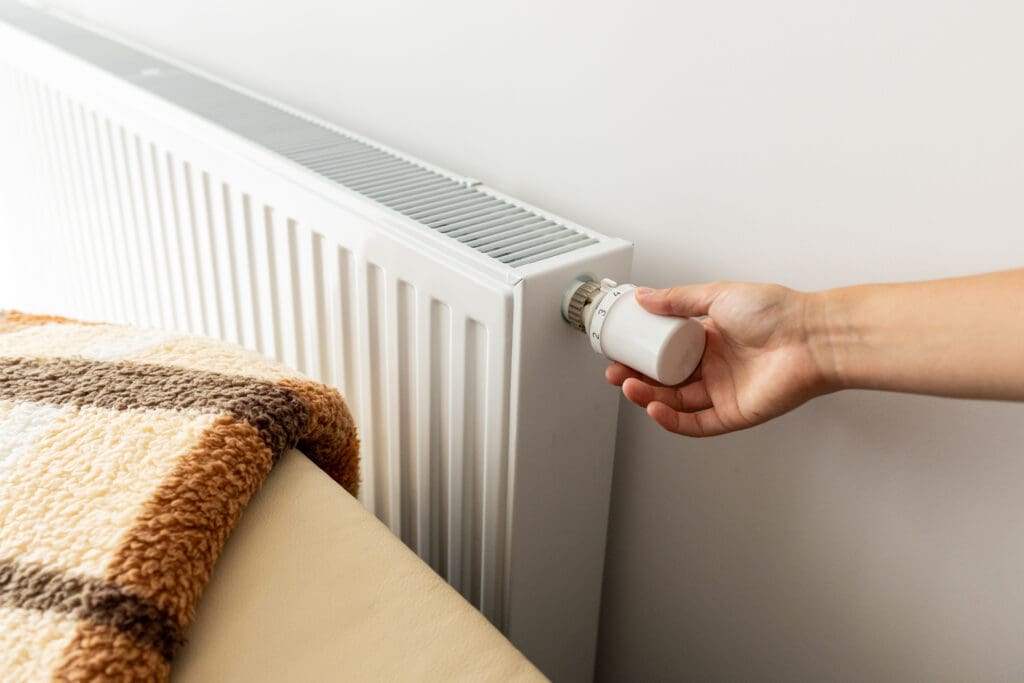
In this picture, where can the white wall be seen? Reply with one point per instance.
(813, 143)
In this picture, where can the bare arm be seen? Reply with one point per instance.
(770, 348)
(960, 337)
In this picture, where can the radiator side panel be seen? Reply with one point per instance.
(563, 436)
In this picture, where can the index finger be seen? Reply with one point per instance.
(686, 301)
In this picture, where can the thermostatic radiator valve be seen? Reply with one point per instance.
(665, 348)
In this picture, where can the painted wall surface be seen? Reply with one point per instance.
(812, 143)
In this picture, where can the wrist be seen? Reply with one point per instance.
(824, 328)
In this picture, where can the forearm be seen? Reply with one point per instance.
(960, 337)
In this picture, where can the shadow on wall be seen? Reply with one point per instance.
(879, 547)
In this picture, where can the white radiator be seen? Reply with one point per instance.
(138, 190)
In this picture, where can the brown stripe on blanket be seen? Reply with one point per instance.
(292, 412)
(101, 653)
(184, 525)
(277, 412)
(167, 556)
(181, 531)
(97, 601)
(330, 438)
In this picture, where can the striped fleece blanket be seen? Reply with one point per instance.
(126, 457)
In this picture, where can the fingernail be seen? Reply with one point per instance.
(643, 291)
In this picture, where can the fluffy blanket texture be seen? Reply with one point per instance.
(126, 457)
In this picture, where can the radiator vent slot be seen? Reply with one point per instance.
(460, 210)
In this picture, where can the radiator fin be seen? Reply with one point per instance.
(440, 431)
(266, 263)
(474, 454)
(405, 389)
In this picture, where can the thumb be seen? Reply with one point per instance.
(685, 301)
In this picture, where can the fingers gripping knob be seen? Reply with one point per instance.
(665, 348)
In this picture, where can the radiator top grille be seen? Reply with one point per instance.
(461, 210)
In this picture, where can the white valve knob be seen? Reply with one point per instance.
(665, 348)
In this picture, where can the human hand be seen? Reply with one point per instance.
(759, 361)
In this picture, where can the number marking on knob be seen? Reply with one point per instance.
(601, 314)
